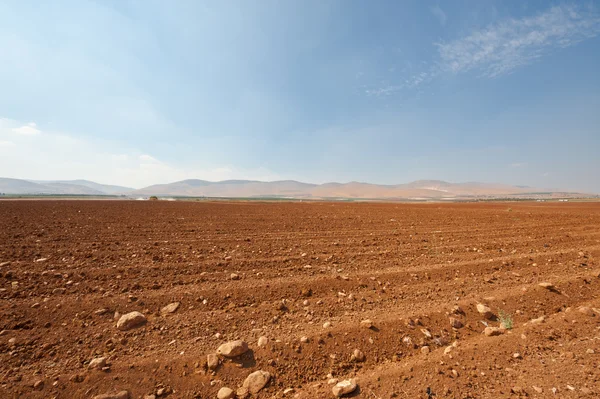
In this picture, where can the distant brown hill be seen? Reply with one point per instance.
(423, 189)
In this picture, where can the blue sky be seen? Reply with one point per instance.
(151, 91)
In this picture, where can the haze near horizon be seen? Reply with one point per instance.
(139, 93)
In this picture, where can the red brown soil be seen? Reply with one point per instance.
(402, 266)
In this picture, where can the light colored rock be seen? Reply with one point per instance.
(367, 323)
(263, 341)
(170, 308)
(97, 363)
(358, 356)
(539, 320)
(233, 348)
(242, 393)
(548, 286)
(117, 395)
(226, 393)
(212, 361)
(493, 331)
(234, 276)
(131, 320)
(327, 324)
(425, 350)
(304, 340)
(288, 391)
(256, 381)
(485, 311)
(586, 311)
(344, 388)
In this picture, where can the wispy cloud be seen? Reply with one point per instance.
(518, 164)
(503, 47)
(439, 14)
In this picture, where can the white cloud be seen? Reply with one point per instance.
(503, 47)
(27, 130)
(59, 156)
(439, 14)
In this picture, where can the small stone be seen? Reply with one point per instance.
(304, 340)
(537, 389)
(39, 384)
(170, 308)
(225, 393)
(425, 350)
(233, 348)
(97, 363)
(485, 311)
(539, 320)
(256, 381)
(118, 395)
(344, 388)
(517, 356)
(242, 393)
(234, 276)
(493, 331)
(131, 320)
(455, 323)
(368, 323)
(102, 311)
(586, 311)
(548, 286)
(358, 356)
(288, 391)
(263, 341)
(327, 324)
(212, 361)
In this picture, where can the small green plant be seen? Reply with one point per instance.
(506, 320)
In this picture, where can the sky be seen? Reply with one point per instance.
(139, 92)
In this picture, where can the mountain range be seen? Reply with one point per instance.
(418, 190)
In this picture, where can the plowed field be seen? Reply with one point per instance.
(303, 275)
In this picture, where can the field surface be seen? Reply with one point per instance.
(304, 276)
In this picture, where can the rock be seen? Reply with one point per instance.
(170, 308)
(288, 391)
(548, 286)
(97, 363)
(537, 389)
(368, 323)
(212, 361)
(455, 323)
(327, 324)
(358, 356)
(485, 311)
(101, 311)
(344, 388)
(234, 276)
(225, 393)
(586, 311)
(517, 355)
(425, 350)
(242, 393)
(304, 340)
(256, 381)
(539, 320)
(118, 395)
(493, 331)
(262, 341)
(41, 259)
(306, 292)
(131, 320)
(233, 348)
(39, 384)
